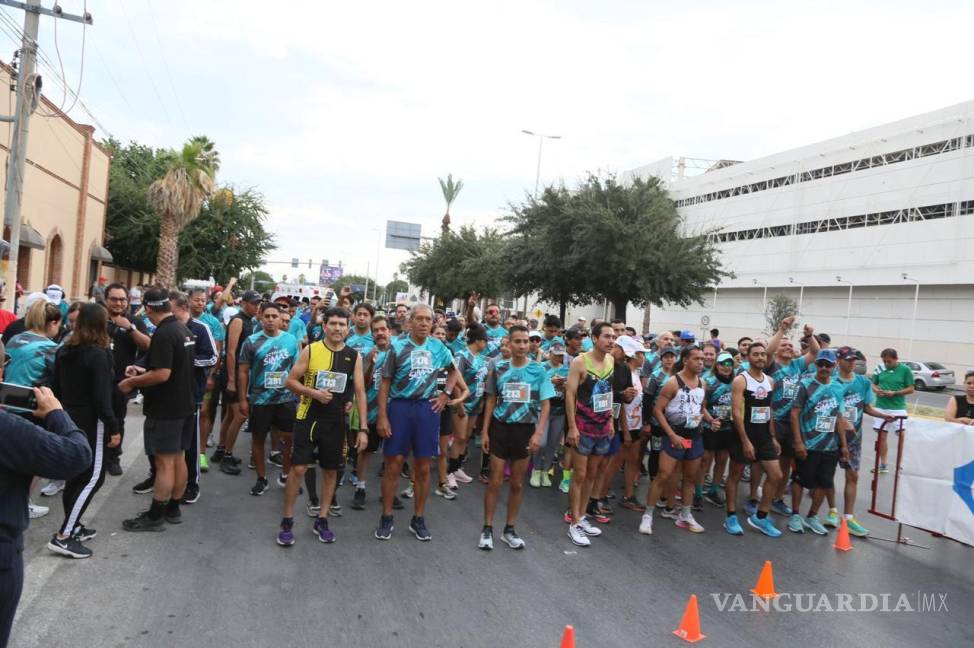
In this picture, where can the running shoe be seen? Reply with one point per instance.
(145, 486)
(276, 458)
(779, 507)
(282, 480)
(751, 507)
(285, 537)
(605, 507)
(36, 510)
(633, 504)
(764, 525)
(568, 517)
(204, 463)
(408, 492)
(578, 536)
(545, 480)
(746, 475)
(418, 526)
(312, 509)
(260, 487)
(70, 547)
(83, 533)
(646, 524)
(443, 490)
(358, 499)
(812, 522)
(732, 526)
(697, 503)
(883, 469)
(512, 539)
(483, 479)
(598, 517)
(587, 527)
(670, 514)
(565, 485)
(795, 523)
(405, 474)
(191, 495)
(686, 521)
(384, 530)
(218, 455)
(228, 466)
(52, 488)
(855, 528)
(832, 519)
(211, 440)
(486, 541)
(662, 503)
(396, 503)
(251, 463)
(462, 477)
(715, 498)
(172, 516)
(335, 510)
(451, 482)
(142, 522)
(535, 480)
(321, 530)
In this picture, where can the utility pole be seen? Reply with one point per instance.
(28, 96)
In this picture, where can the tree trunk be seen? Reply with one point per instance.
(619, 305)
(562, 309)
(168, 257)
(647, 312)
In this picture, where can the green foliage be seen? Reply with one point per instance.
(263, 281)
(778, 308)
(457, 263)
(393, 287)
(450, 189)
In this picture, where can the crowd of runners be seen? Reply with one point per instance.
(420, 400)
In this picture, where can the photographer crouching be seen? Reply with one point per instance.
(60, 451)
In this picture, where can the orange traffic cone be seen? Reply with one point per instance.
(842, 541)
(689, 629)
(765, 585)
(568, 638)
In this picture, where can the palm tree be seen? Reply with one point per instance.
(177, 198)
(450, 191)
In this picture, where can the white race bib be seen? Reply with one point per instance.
(789, 388)
(516, 392)
(601, 402)
(851, 414)
(616, 409)
(332, 381)
(274, 379)
(693, 421)
(760, 415)
(824, 424)
(421, 359)
(723, 412)
(480, 389)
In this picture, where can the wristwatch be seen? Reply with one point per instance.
(130, 328)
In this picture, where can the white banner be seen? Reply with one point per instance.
(935, 489)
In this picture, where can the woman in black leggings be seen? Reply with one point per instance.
(83, 372)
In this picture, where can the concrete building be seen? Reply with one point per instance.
(862, 230)
(64, 198)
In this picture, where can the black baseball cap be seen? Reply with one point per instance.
(251, 296)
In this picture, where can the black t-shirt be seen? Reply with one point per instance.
(15, 327)
(124, 349)
(172, 348)
(621, 381)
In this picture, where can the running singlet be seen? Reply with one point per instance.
(786, 379)
(683, 412)
(593, 401)
(361, 343)
(818, 407)
(856, 394)
(332, 370)
(558, 400)
(372, 394)
(719, 398)
(757, 405)
(474, 370)
(270, 360)
(413, 367)
(519, 391)
(246, 330)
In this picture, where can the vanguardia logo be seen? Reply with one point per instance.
(841, 602)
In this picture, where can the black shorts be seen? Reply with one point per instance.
(817, 470)
(279, 416)
(375, 441)
(191, 430)
(509, 441)
(782, 432)
(760, 438)
(718, 440)
(321, 438)
(446, 421)
(164, 436)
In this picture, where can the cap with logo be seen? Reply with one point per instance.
(847, 353)
(827, 355)
(534, 334)
(687, 334)
(667, 350)
(725, 357)
(630, 345)
(250, 296)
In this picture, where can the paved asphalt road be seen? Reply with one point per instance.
(219, 579)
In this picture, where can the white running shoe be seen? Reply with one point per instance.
(646, 525)
(408, 493)
(462, 477)
(578, 536)
(37, 511)
(486, 541)
(451, 481)
(587, 527)
(686, 521)
(52, 488)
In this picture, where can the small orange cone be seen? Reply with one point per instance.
(689, 629)
(842, 541)
(568, 638)
(765, 585)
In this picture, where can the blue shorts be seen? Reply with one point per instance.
(593, 446)
(615, 444)
(415, 429)
(695, 451)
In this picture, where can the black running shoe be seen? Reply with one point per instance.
(173, 517)
(192, 495)
(145, 486)
(405, 474)
(358, 500)
(396, 503)
(83, 533)
(114, 468)
(227, 466)
(259, 488)
(276, 458)
(142, 522)
(218, 455)
(70, 547)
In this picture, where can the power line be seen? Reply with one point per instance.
(81, 71)
(165, 63)
(145, 65)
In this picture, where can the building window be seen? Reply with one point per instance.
(55, 260)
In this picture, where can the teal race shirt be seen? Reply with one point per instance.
(519, 390)
(372, 393)
(413, 367)
(270, 360)
(492, 350)
(547, 344)
(587, 344)
(786, 380)
(649, 364)
(718, 397)
(558, 400)
(456, 345)
(496, 332)
(361, 343)
(297, 328)
(474, 369)
(30, 360)
(856, 394)
(819, 407)
(215, 326)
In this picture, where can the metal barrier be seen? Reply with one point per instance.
(891, 515)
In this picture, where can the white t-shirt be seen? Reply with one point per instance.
(135, 297)
(634, 410)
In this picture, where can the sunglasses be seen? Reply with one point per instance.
(824, 363)
(727, 363)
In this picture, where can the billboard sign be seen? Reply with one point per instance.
(402, 236)
(329, 274)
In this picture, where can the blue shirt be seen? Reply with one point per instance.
(518, 390)
(718, 397)
(819, 407)
(496, 332)
(558, 400)
(296, 328)
(215, 326)
(786, 379)
(456, 345)
(546, 343)
(413, 367)
(856, 394)
(587, 344)
(271, 360)
(361, 343)
(473, 368)
(372, 393)
(31, 360)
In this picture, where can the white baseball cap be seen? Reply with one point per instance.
(630, 345)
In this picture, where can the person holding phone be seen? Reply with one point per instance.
(83, 380)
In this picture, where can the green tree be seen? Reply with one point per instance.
(397, 285)
(778, 308)
(450, 191)
(263, 281)
(178, 196)
(455, 264)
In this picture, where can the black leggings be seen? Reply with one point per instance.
(81, 489)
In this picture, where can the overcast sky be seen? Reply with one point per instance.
(344, 114)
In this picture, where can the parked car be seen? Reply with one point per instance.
(860, 367)
(930, 375)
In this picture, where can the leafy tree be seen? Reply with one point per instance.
(263, 281)
(457, 263)
(397, 285)
(178, 198)
(450, 191)
(352, 280)
(778, 308)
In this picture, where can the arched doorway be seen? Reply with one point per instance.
(55, 259)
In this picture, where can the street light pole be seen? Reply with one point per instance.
(541, 138)
(801, 293)
(848, 310)
(913, 321)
